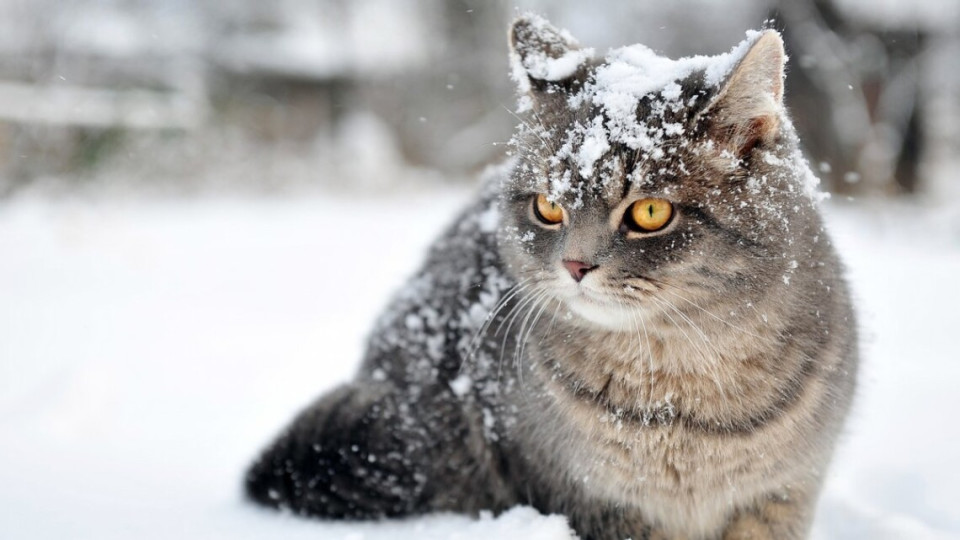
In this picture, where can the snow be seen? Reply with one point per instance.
(592, 148)
(538, 64)
(636, 70)
(557, 69)
(461, 385)
(616, 87)
(149, 349)
(632, 72)
(489, 219)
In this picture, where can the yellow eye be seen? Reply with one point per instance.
(648, 215)
(548, 212)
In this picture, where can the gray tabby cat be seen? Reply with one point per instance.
(640, 323)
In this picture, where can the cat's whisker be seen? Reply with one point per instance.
(532, 129)
(703, 336)
(636, 327)
(504, 300)
(525, 330)
(737, 391)
(646, 337)
(516, 308)
(553, 320)
(663, 303)
(542, 301)
(713, 315)
(510, 319)
(711, 363)
(716, 358)
(551, 144)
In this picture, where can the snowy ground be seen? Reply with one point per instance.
(147, 351)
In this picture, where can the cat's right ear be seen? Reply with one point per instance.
(749, 104)
(546, 62)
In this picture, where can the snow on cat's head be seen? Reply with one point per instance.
(637, 174)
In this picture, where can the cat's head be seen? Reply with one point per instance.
(642, 182)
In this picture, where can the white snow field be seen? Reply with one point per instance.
(149, 349)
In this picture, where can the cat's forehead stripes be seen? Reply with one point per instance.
(583, 151)
(621, 174)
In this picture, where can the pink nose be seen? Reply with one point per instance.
(577, 269)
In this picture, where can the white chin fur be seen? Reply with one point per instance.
(607, 315)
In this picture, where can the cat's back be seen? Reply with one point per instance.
(431, 325)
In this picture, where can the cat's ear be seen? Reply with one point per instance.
(545, 60)
(746, 111)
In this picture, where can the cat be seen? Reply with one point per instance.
(639, 322)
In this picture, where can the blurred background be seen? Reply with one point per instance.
(204, 205)
(200, 95)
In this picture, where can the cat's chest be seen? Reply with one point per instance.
(655, 379)
(655, 463)
(633, 434)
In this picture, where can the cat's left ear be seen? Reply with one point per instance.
(545, 60)
(746, 111)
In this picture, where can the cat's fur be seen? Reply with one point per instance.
(692, 385)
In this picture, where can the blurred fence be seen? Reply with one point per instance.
(332, 92)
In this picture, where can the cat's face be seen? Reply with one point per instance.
(629, 201)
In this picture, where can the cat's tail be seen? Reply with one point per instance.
(338, 460)
(366, 451)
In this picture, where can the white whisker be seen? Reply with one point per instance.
(713, 315)
(477, 339)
